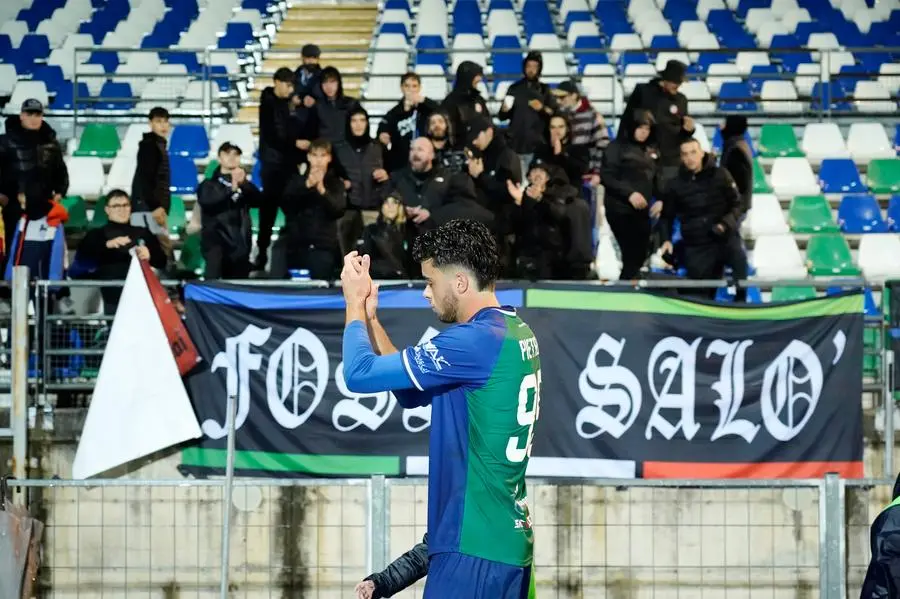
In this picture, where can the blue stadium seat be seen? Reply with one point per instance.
(109, 60)
(5, 46)
(467, 17)
(804, 30)
(893, 214)
(536, 17)
(628, 58)
(397, 5)
(35, 46)
(760, 73)
(704, 59)
(237, 36)
(576, 16)
(183, 175)
(51, 75)
(507, 65)
(736, 96)
(664, 42)
(826, 94)
(871, 61)
(256, 174)
(219, 76)
(789, 60)
(745, 5)
(261, 5)
(717, 142)
(431, 42)
(190, 61)
(163, 35)
(116, 96)
(64, 100)
(501, 5)
(677, 12)
(190, 141)
(860, 214)
(399, 28)
(585, 58)
(839, 175)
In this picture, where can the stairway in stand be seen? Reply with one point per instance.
(343, 31)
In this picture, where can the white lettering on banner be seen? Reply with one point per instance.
(607, 386)
(286, 360)
(793, 378)
(238, 363)
(681, 360)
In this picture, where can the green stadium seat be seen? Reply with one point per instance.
(98, 140)
(210, 168)
(191, 258)
(792, 294)
(883, 175)
(99, 218)
(759, 178)
(177, 216)
(254, 219)
(78, 217)
(811, 214)
(776, 140)
(828, 254)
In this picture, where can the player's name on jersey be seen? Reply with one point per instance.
(529, 348)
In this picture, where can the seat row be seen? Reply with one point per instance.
(856, 214)
(827, 255)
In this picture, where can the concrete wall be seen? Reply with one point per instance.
(297, 542)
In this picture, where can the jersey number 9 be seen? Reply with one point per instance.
(531, 383)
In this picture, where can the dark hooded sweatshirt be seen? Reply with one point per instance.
(404, 126)
(527, 126)
(31, 162)
(278, 131)
(737, 157)
(500, 164)
(701, 200)
(573, 160)
(311, 217)
(358, 157)
(465, 102)
(307, 83)
(150, 186)
(331, 113)
(883, 575)
(629, 166)
(668, 111)
(389, 246)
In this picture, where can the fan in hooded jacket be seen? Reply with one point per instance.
(464, 103)
(883, 574)
(330, 122)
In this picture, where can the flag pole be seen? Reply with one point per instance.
(231, 406)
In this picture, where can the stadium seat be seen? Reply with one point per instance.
(177, 216)
(765, 217)
(191, 258)
(760, 185)
(698, 96)
(883, 175)
(872, 97)
(117, 97)
(792, 294)
(811, 214)
(78, 218)
(777, 257)
(868, 141)
(778, 140)
(823, 140)
(828, 254)
(860, 214)
(183, 177)
(780, 97)
(85, 176)
(792, 177)
(893, 213)
(238, 134)
(189, 140)
(736, 96)
(121, 173)
(23, 91)
(878, 256)
(839, 175)
(98, 140)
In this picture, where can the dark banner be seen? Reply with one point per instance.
(634, 385)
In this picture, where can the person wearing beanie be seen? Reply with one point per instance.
(528, 105)
(737, 157)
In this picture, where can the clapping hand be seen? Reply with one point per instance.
(355, 280)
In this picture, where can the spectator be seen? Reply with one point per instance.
(150, 196)
(432, 195)
(359, 159)
(670, 112)
(440, 132)
(314, 200)
(279, 153)
(528, 106)
(405, 122)
(105, 252)
(705, 198)
(464, 103)
(737, 157)
(224, 201)
(559, 151)
(491, 164)
(630, 169)
(388, 240)
(552, 226)
(307, 88)
(33, 174)
(588, 129)
(331, 110)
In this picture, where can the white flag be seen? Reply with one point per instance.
(140, 405)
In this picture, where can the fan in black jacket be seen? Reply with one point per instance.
(388, 242)
(224, 201)
(464, 102)
(150, 194)
(400, 574)
(559, 151)
(314, 200)
(528, 106)
(405, 122)
(882, 576)
(737, 157)
(629, 174)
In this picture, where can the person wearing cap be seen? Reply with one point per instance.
(528, 106)
(224, 201)
(588, 129)
(33, 173)
(464, 102)
(737, 157)
(280, 150)
(669, 108)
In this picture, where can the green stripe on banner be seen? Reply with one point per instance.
(347, 465)
(611, 301)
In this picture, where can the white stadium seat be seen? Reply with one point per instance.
(637, 73)
(719, 73)
(756, 17)
(794, 18)
(132, 138)
(701, 136)
(871, 96)
(23, 91)
(238, 134)
(121, 173)
(823, 140)
(688, 30)
(780, 96)
(765, 217)
(86, 177)
(745, 61)
(704, 6)
(868, 141)
(793, 177)
(808, 74)
(889, 76)
(16, 30)
(878, 256)
(778, 257)
(8, 77)
(769, 30)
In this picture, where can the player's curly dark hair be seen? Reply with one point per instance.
(465, 243)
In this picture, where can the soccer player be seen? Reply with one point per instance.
(482, 378)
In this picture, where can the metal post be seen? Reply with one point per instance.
(19, 370)
(887, 391)
(379, 520)
(231, 407)
(832, 539)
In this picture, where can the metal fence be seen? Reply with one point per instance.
(318, 538)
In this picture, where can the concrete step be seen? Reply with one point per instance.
(327, 40)
(312, 29)
(338, 14)
(352, 66)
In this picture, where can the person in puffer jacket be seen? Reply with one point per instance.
(464, 103)
(883, 574)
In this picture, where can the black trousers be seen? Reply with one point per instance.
(322, 263)
(274, 180)
(220, 265)
(708, 261)
(632, 233)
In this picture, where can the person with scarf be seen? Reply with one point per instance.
(528, 105)
(464, 103)
(630, 175)
(388, 240)
(559, 151)
(405, 122)
(360, 161)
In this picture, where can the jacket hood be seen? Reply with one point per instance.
(465, 76)
(332, 73)
(357, 141)
(641, 118)
(45, 134)
(534, 56)
(735, 126)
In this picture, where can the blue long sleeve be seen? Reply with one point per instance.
(367, 372)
